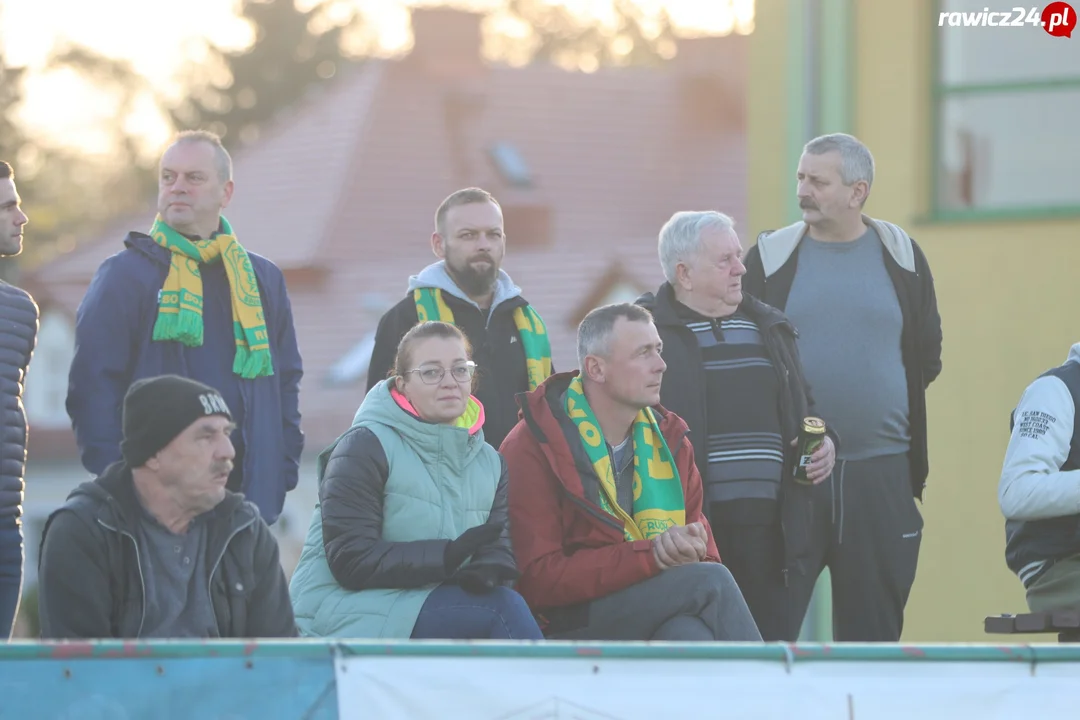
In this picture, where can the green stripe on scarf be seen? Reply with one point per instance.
(180, 308)
(430, 305)
(658, 493)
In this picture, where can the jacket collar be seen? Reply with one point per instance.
(662, 306)
(472, 419)
(544, 414)
(450, 445)
(145, 245)
(115, 504)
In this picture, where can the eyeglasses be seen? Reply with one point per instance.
(433, 374)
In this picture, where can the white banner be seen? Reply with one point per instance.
(566, 688)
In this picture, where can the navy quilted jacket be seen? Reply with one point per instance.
(18, 333)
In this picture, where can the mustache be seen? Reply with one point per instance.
(808, 205)
(222, 468)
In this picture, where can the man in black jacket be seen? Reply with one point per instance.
(734, 375)
(861, 293)
(468, 288)
(18, 333)
(157, 546)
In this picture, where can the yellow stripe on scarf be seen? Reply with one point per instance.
(180, 307)
(658, 494)
(430, 305)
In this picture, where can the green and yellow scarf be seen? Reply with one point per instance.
(430, 305)
(180, 308)
(658, 493)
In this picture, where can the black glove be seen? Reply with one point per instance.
(459, 550)
(482, 578)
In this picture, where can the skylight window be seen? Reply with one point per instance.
(510, 164)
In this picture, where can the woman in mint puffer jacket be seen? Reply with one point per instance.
(410, 537)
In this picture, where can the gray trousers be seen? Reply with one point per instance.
(692, 602)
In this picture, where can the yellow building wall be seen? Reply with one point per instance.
(769, 179)
(1008, 293)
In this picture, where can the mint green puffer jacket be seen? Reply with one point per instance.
(394, 490)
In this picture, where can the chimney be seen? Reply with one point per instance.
(712, 74)
(447, 42)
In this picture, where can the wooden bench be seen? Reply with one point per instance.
(1064, 621)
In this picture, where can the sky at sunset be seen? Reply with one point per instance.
(159, 37)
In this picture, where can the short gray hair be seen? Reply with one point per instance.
(594, 332)
(222, 158)
(681, 236)
(856, 162)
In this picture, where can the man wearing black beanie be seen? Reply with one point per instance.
(160, 526)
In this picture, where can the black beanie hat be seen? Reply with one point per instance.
(158, 409)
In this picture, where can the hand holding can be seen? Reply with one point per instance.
(811, 437)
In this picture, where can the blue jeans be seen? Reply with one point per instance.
(11, 561)
(450, 613)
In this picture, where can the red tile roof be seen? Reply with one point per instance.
(349, 182)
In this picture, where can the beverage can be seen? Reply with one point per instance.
(811, 437)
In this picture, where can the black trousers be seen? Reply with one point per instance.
(748, 536)
(867, 530)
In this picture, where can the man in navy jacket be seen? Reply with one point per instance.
(122, 312)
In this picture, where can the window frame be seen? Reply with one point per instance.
(940, 93)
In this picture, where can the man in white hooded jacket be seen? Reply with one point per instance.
(1039, 491)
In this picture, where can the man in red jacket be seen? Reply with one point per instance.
(605, 500)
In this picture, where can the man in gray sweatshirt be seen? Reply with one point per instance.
(861, 295)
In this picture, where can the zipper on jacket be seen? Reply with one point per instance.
(785, 570)
(773, 348)
(138, 562)
(210, 578)
(587, 507)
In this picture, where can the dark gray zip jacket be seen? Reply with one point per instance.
(91, 581)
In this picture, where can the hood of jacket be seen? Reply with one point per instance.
(456, 445)
(436, 276)
(777, 246)
(1074, 353)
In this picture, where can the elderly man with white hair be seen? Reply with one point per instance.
(861, 294)
(734, 375)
